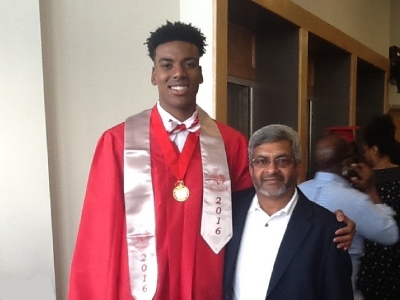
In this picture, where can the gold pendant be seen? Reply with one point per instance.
(181, 192)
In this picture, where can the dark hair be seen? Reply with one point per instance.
(380, 132)
(177, 31)
(330, 152)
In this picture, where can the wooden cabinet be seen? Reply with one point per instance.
(241, 61)
(303, 72)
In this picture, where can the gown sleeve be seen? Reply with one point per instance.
(236, 145)
(99, 264)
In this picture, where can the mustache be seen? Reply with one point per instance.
(265, 177)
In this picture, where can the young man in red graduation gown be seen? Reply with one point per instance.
(157, 210)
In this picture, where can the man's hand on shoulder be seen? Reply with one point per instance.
(345, 235)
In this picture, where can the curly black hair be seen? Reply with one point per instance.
(380, 132)
(176, 31)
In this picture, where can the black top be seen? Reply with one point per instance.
(379, 274)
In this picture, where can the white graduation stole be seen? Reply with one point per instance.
(216, 223)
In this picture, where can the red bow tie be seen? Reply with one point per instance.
(181, 127)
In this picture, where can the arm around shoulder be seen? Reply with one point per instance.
(376, 223)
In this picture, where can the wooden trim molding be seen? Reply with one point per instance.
(302, 120)
(302, 18)
(353, 91)
(386, 93)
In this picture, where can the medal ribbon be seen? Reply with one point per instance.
(177, 163)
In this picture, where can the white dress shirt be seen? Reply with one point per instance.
(179, 138)
(261, 239)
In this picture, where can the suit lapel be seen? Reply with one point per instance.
(297, 230)
(240, 205)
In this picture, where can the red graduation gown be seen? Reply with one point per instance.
(187, 267)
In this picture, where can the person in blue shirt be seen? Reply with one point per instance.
(374, 220)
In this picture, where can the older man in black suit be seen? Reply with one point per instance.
(282, 246)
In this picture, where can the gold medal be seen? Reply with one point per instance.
(181, 192)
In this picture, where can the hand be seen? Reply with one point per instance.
(345, 235)
(365, 180)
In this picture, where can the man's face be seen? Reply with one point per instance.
(276, 179)
(177, 74)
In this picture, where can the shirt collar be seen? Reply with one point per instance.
(326, 176)
(288, 209)
(166, 118)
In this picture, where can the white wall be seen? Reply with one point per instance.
(97, 73)
(198, 13)
(26, 249)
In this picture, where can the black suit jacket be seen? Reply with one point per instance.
(308, 265)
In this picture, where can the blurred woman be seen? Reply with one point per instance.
(379, 273)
